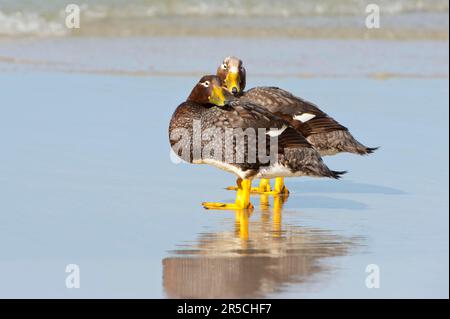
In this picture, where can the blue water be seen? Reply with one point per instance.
(86, 178)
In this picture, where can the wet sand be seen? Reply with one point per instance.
(195, 56)
(87, 178)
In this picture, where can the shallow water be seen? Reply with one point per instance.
(87, 179)
(264, 58)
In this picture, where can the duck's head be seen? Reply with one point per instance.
(209, 91)
(232, 74)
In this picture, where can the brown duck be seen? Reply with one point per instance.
(212, 111)
(327, 135)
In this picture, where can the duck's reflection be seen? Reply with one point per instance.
(260, 257)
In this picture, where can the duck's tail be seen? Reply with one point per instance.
(337, 174)
(370, 150)
(308, 161)
(330, 143)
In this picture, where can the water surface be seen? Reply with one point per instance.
(87, 179)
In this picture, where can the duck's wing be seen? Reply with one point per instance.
(294, 151)
(253, 115)
(301, 114)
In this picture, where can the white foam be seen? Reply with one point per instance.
(19, 23)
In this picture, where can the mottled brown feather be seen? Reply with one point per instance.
(286, 105)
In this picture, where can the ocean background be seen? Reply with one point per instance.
(87, 176)
(402, 19)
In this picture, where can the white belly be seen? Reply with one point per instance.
(223, 166)
(277, 170)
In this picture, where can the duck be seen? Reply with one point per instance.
(199, 133)
(325, 133)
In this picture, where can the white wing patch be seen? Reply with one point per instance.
(273, 133)
(305, 117)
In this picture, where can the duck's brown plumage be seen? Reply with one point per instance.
(326, 134)
(295, 153)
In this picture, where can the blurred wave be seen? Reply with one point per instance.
(142, 17)
(18, 23)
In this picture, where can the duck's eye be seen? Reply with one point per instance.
(205, 84)
(224, 66)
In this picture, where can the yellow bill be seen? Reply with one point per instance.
(217, 97)
(232, 82)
